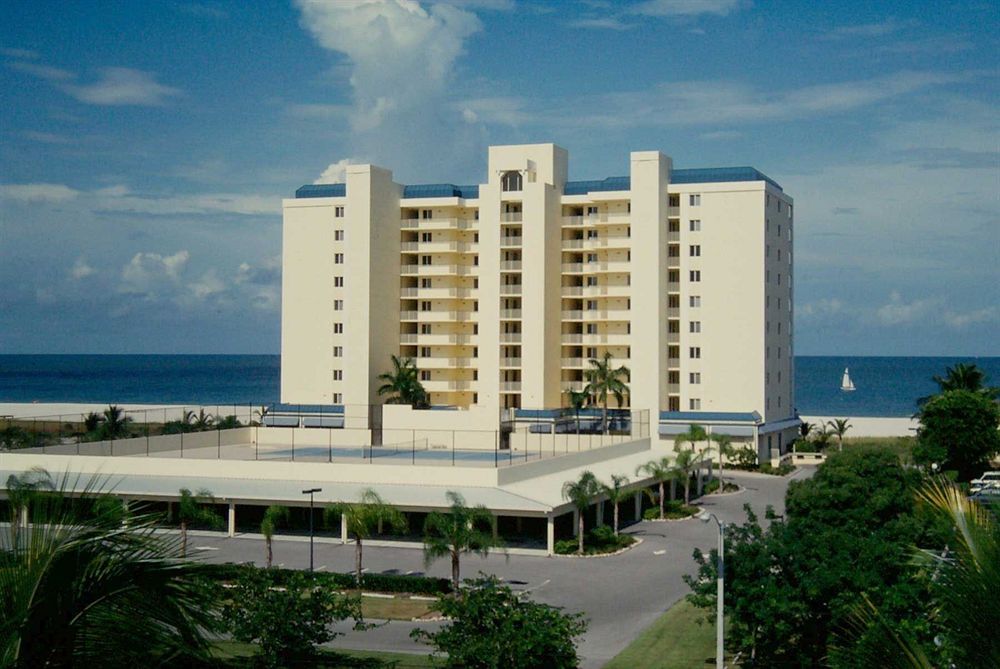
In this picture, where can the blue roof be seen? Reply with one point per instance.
(710, 416)
(689, 176)
(322, 190)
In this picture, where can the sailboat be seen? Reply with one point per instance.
(846, 384)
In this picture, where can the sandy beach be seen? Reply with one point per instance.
(867, 426)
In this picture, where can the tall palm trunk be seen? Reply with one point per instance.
(616, 519)
(184, 538)
(579, 531)
(455, 576)
(722, 481)
(604, 416)
(673, 489)
(661, 497)
(357, 560)
(270, 555)
(687, 490)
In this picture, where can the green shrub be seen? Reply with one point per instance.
(651, 514)
(674, 509)
(780, 470)
(565, 546)
(598, 541)
(418, 585)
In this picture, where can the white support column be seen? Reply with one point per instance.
(343, 528)
(576, 522)
(638, 506)
(232, 519)
(550, 533)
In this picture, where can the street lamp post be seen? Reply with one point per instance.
(720, 593)
(311, 492)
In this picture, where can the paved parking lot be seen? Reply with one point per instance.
(621, 595)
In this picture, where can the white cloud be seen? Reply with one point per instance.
(20, 53)
(81, 270)
(501, 110)
(38, 192)
(123, 86)
(899, 312)
(688, 7)
(819, 308)
(147, 273)
(870, 30)
(335, 173)
(961, 321)
(208, 286)
(45, 137)
(601, 23)
(45, 72)
(266, 273)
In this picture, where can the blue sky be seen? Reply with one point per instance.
(145, 147)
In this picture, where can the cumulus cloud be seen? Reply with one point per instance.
(335, 173)
(81, 270)
(870, 30)
(960, 321)
(147, 274)
(37, 192)
(822, 307)
(123, 86)
(900, 312)
(266, 273)
(208, 286)
(688, 7)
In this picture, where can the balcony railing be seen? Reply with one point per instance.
(510, 289)
(511, 217)
(511, 240)
(510, 314)
(510, 387)
(510, 362)
(510, 337)
(511, 266)
(437, 223)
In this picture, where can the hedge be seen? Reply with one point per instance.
(418, 585)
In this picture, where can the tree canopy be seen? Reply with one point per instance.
(958, 431)
(402, 385)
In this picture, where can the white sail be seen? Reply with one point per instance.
(846, 384)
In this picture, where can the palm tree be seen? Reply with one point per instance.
(963, 376)
(580, 492)
(463, 529)
(616, 494)
(227, 422)
(191, 511)
(22, 491)
(402, 385)
(203, 421)
(578, 399)
(364, 517)
(274, 515)
(92, 421)
(604, 380)
(694, 435)
(80, 589)
(805, 429)
(685, 464)
(724, 445)
(839, 427)
(115, 422)
(821, 437)
(260, 413)
(660, 470)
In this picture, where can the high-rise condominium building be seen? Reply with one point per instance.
(503, 292)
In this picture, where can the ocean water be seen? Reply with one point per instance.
(886, 386)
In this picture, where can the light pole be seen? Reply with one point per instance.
(311, 492)
(720, 649)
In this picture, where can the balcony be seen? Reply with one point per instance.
(437, 224)
(510, 266)
(673, 212)
(510, 337)
(573, 291)
(510, 240)
(437, 270)
(673, 287)
(434, 316)
(444, 363)
(511, 217)
(435, 386)
(572, 338)
(510, 387)
(408, 315)
(572, 221)
(510, 289)
(616, 290)
(439, 339)
(573, 315)
(574, 363)
(575, 386)
(673, 362)
(673, 337)
(673, 312)
(612, 339)
(438, 293)
(439, 247)
(610, 266)
(674, 237)
(572, 267)
(510, 314)
(510, 363)
(573, 243)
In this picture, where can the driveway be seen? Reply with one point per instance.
(620, 595)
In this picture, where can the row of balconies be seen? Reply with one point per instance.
(439, 247)
(597, 291)
(596, 219)
(438, 339)
(620, 339)
(429, 293)
(595, 266)
(438, 223)
(610, 241)
(440, 386)
(438, 316)
(597, 314)
(447, 269)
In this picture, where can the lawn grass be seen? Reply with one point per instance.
(674, 641)
(901, 446)
(235, 654)
(397, 608)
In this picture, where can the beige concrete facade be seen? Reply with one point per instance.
(502, 292)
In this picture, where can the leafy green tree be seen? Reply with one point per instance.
(79, 589)
(402, 385)
(616, 492)
(364, 518)
(115, 424)
(492, 627)
(602, 380)
(230, 422)
(958, 430)
(838, 428)
(286, 622)
(191, 510)
(686, 464)
(847, 532)
(274, 516)
(661, 470)
(463, 529)
(821, 436)
(580, 493)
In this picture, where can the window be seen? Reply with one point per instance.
(779, 401)
(338, 212)
(425, 305)
(425, 328)
(673, 251)
(425, 375)
(695, 404)
(694, 326)
(338, 375)
(338, 305)
(338, 398)
(779, 353)
(695, 275)
(425, 283)
(673, 200)
(338, 282)
(694, 199)
(694, 378)
(779, 205)
(591, 328)
(694, 301)
(338, 351)
(767, 250)
(779, 229)
(695, 226)
(789, 211)
(338, 258)
(695, 250)
(779, 377)
(426, 236)
(510, 181)
(779, 327)
(338, 328)
(779, 254)
(426, 214)
(767, 276)
(779, 278)
(694, 352)
(425, 351)
(338, 235)
(779, 303)
(425, 260)
(591, 211)
(673, 377)
(673, 327)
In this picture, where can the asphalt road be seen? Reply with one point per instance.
(620, 595)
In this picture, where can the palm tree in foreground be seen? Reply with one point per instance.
(604, 380)
(463, 529)
(724, 446)
(616, 494)
(364, 518)
(578, 399)
(22, 491)
(694, 435)
(580, 493)
(79, 589)
(838, 428)
(685, 465)
(662, 471)
(402, 385)
(191, 510)
(274, 515)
